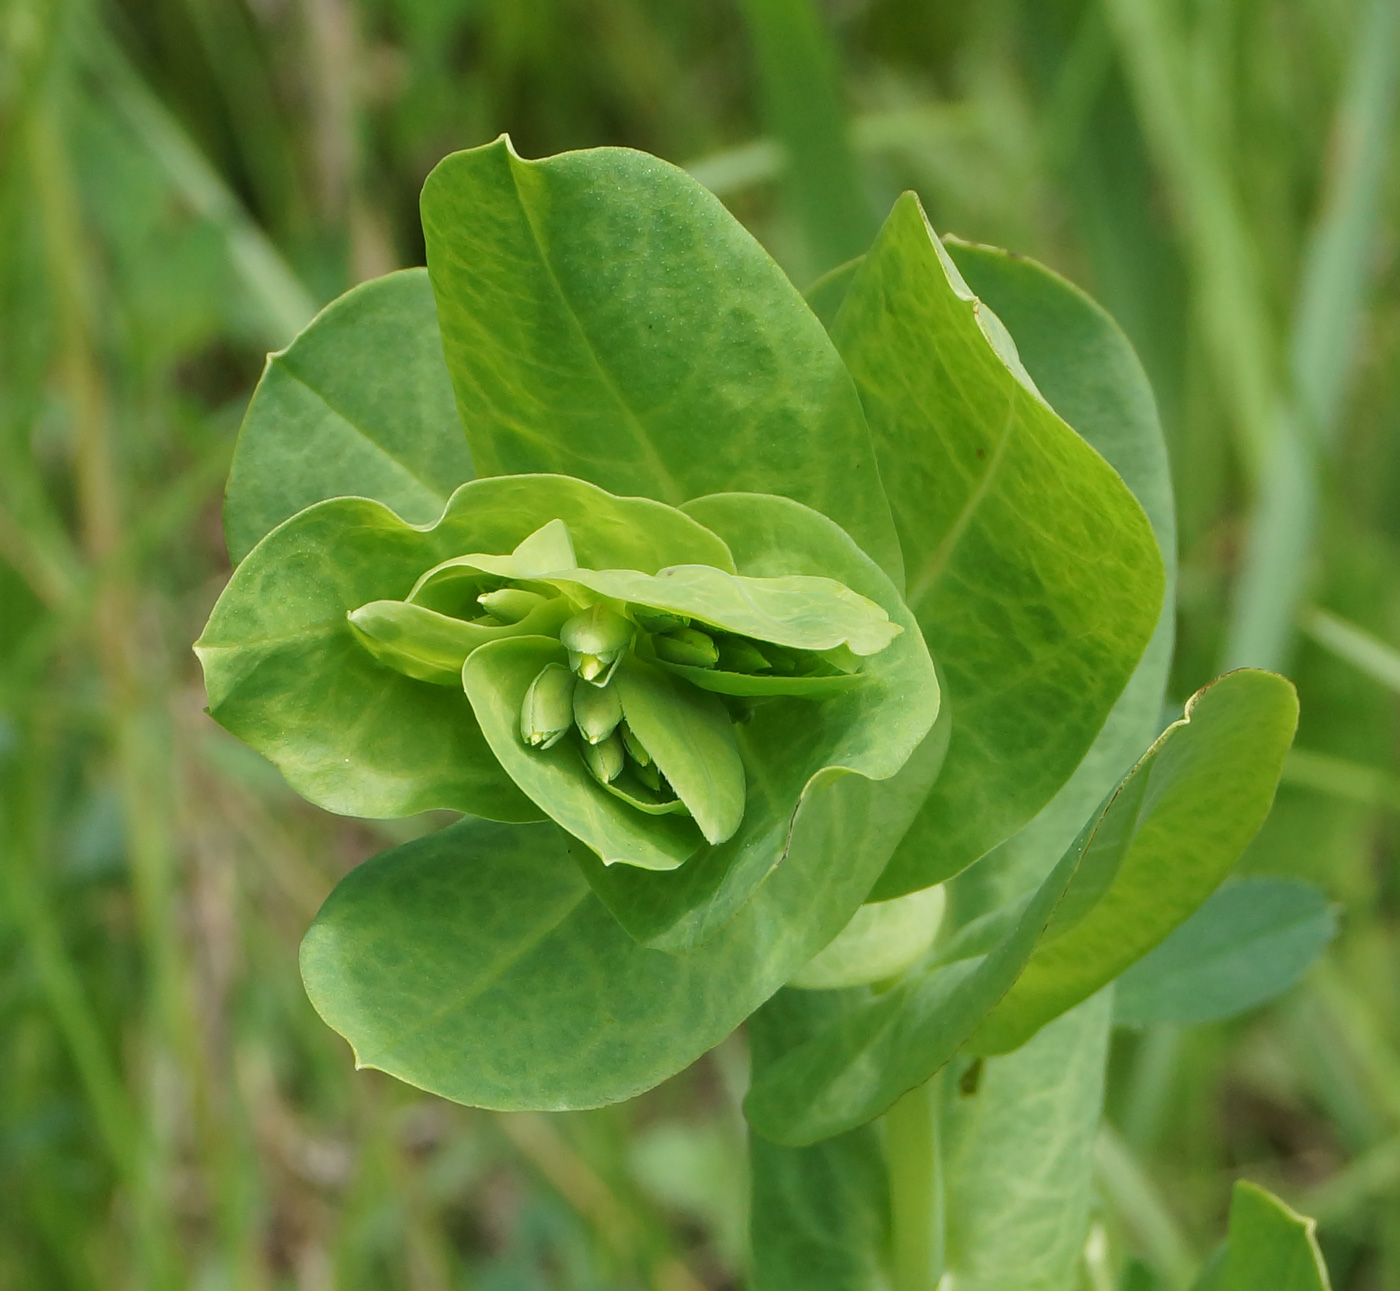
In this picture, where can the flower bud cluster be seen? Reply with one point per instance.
(651, 673)
(582, 698)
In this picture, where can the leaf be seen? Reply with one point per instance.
(1018, 1158)
(605, 316)
(547, 549)
(286, 674)
(1146, 861)
(359, 405)
(883, 939)
(556, 779)
(1248, 943)
(1211, 781)
(690, 736)
(801, 611)
(477, 964)
(820, 1215)
(1084, 365)
(760, 685)
(1031, 568)
(873, 730)
(853, 1070)
(1269, 1247)
(1082, 362)
(825, 296)
(422, 643)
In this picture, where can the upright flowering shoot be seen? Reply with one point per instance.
(669, 648)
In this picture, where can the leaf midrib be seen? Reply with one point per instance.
(431, 489)
(494, 973)
(938, 559)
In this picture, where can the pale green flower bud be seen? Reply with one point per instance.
(686, 646)
(548, 710)
(597, 711)
(742, 656)
(596, 639)
(605, 759)
(648, 775)
(510, 604)
(658, 620)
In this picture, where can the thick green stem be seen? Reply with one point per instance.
(916, 1188)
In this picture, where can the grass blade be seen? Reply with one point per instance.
(1331, 301)
(800, 85)
(1371, 655)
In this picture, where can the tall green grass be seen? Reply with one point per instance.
(182, 182)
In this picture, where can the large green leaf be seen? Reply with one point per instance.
(820, 1215)
(1250, 942)
(1018, 1156)
(604, 316)
(286, 674)
(1031, 568)
(801, 611)
(873, 729)
(1210, 782)
(1083, 364)
(1268, 1248)
(1161, 844)
(476, 962)
(359, 405)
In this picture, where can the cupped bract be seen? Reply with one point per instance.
(288, 672)
(613, 658)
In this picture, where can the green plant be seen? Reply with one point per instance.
(672, 653)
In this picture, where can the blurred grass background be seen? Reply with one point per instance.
(183, 182)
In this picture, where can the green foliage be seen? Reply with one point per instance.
(181, 181)
(1017, 1158)
(321, 427)
(1031, 568)
(286, 672)
(1269, 1248)
(1248, 943)
(509, 1016)
(604, 316)
(1207, 785)
(713, 837)
(1163, 841)
(820, 1215)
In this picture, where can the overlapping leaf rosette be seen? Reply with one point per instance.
(602, 536)
(624, 675)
